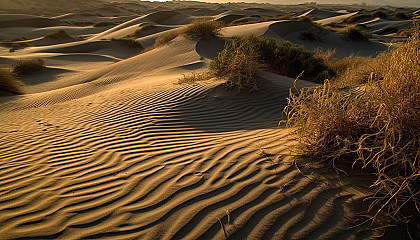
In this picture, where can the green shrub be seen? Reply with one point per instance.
(203, 29)
(28, 66)
(284, 58)
(9, 83)
(378, 128)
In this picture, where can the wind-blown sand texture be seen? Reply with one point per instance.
(107, 145)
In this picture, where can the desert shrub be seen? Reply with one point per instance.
(386, 30)
(194, 77)
(379, 14)
(28, 66)
(129, 42)
(401, 15)
(59, 35)
(167, 37)
(352, 33)
(378, 128)
(284, 58)
(203, 29)
(357, 18)
(9, 83)
(313, 34)
(306, 19)
(104, 24)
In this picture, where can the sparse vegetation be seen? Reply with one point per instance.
(203, 29)
(128, 41)
(194, 77)
(242, 56)
(60, 35)
(379, 127)
(167, 37)
(386, 30)
(9, 83)
(28, 66)
(352, 33)
(200, 28)
(314, 34)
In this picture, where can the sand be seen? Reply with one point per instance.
(107, 145)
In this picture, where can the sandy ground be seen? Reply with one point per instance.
(107, 144)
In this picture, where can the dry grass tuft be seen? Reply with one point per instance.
(128, 41)
(164, 39)
(28, 66)
(60, 35)
(380, 128)
(203, 29)
(9, 83)
(194, 77)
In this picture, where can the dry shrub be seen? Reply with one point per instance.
(60, 35)
(349, 71)
(9, 83)
(28, 66)
(194, 77)
(162, 40)
(199, 28)
(380, 128)
(203, 29)
(128, 41)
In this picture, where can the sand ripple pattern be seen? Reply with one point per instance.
(176, 164)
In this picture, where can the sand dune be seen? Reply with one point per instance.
(106, 144)
(321, 14)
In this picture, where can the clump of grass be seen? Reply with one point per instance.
(60, 35)
(194, 77)
(313, 34)
(357, 18)
(203, 29)
(352, 33)
(28, 66)
(164, 39)
(9, 83)
(130, 42)
(401, 15)
(242, 57)
(306, 19)
(379, 129)
(386, 30)
(199, 28)
(104, 24)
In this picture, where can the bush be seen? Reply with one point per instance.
(284, 58)
(386, 30)
(162, 40)
(60, 35)
(9, 83)
(352, 33)
(28, 66)
(203, 29)
(129, 42)
(379, 128)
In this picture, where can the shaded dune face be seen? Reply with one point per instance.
(107, 145)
